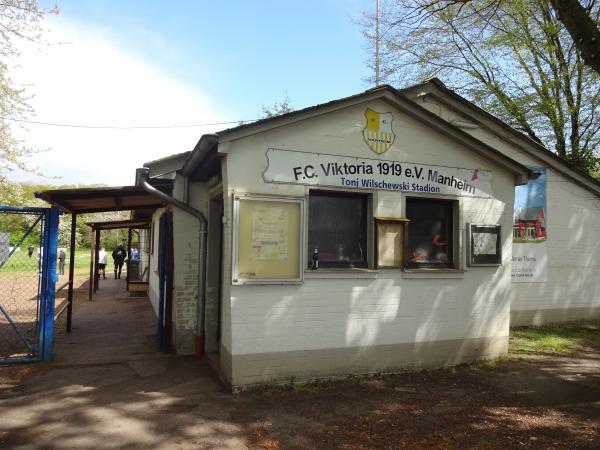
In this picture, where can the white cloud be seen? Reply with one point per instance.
(87, 79)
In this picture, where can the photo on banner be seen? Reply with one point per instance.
(530, 231)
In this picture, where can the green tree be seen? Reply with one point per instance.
(22, 194)
(513, 58)
(19, 20)
(278, 108)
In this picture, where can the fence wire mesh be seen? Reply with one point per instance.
(21, 253)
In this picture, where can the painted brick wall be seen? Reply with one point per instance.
(225, 349)
(336, 313)
(573, 288)
(185, 272)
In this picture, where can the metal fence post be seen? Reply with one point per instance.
(48, 283)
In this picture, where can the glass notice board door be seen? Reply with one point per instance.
(267, 240)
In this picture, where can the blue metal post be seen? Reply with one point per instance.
(49, 278)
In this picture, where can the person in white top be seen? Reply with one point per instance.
(102, 260)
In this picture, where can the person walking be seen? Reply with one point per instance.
(118, 255)
(62, 256)
(102, 259)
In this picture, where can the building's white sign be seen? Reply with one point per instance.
(529, 263)
(286, 166)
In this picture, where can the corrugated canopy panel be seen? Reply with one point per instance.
(104, 199)
(116, 224)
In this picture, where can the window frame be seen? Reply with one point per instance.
(454, 260)
(366, 197)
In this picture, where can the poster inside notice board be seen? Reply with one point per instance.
(267, 239)
(485, 245)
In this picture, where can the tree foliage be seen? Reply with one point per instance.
(19, 20)
(278, 108)
(513, 58)
(22, 194)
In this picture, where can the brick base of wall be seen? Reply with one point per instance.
(305, 365)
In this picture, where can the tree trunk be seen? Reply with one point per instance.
(582, 28)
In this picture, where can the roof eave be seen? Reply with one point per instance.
(167, 166)
(263, 125)
(202, 162)
(514, 136)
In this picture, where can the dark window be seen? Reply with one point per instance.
(429, 242)
(337, 227)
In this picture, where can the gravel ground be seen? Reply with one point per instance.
(551, 401)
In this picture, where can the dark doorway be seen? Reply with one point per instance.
(213, 275)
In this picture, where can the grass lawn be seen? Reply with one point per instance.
(20, 262)
(560, 338)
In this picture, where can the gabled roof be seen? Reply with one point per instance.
(315, 108)
(209, 147)
(167, 166)
(439, 90)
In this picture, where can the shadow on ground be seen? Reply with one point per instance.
(108, 389)
(175, 402)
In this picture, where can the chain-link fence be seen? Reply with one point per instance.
(21, 262)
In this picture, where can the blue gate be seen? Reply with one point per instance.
(28, 241)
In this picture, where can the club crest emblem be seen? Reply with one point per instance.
(378, 133)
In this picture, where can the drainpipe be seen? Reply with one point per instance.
(142, 175)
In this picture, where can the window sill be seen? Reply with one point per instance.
(331, 272)
(433, 273)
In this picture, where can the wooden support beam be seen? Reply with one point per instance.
(71, 272)
(92, 264)
(128, 255)
(96, 257)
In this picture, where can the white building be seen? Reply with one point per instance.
(407, 197)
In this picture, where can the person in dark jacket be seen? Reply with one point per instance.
(118, 255)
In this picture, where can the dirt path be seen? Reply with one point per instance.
(549, 403)
(109, 389)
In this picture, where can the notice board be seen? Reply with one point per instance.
(267, 240)
(484, 245)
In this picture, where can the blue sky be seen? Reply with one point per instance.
(243, 53)
(157, 63)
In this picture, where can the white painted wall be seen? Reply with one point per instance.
(153, 289)
(186, 248)
(573, 217)
(329, 311)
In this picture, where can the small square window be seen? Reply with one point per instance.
(337, 228)
(430, 233)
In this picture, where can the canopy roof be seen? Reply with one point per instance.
(104, 199)
(116, 224)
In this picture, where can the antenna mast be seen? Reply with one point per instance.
(377, 59)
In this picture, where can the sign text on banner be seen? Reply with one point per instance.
(319, 169)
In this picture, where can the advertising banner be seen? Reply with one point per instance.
(319, 169)
(530, 232)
